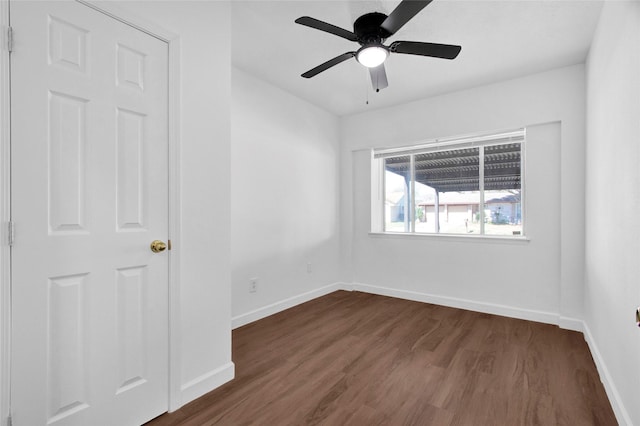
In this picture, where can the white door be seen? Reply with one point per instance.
(89, 194)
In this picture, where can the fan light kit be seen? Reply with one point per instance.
(373, 55)
(370, 31)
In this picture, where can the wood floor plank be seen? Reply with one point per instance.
(352, 358)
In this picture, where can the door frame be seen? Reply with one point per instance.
(174, 400)
(5, 209)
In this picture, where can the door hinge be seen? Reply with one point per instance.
(11, 233)
(10, 39)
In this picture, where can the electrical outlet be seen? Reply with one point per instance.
(253, 285)
(309, 269)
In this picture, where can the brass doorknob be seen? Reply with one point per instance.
(157, 246)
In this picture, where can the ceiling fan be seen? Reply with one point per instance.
(370, 31)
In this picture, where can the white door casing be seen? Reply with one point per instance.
(5, 250)
(89, 194)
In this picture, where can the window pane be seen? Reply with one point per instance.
(397, 194)
(502, 196)
(425, 208)
(447, 182)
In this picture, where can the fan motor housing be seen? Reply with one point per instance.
(368, 30)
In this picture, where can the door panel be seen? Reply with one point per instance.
(89, 194)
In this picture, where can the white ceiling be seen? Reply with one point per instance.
(500, 40)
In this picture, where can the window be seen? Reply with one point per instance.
(470, 186)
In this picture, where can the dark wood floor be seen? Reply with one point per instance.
(359, 359)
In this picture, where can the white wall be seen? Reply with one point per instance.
(205, 274)
(612, 290)
(284, 208)
(541, 279)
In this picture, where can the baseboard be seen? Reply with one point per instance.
(207, 382)
(612, 392)
(569, 323)
(453, 302)
(274, 308)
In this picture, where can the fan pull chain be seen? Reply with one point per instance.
(366, 89)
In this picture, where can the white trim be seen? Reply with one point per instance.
(566, 323)
(5, 215)
(274, 308)
(412, 195)
(454, 302)
(175, 397)
(206, 382)
(622, 416)
(378, 211)
(523, 182)
(453, 144)
(482, 205)
(456, 237)
(569, 323)
(432, 145)
(133, 20)
(175, 228)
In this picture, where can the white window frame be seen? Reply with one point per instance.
(479, 141)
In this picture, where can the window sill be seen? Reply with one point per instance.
(454, 237)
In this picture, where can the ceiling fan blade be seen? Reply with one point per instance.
(444, 51)
(323, 67)
(406, 10)
(323, 26)
(378, 77)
